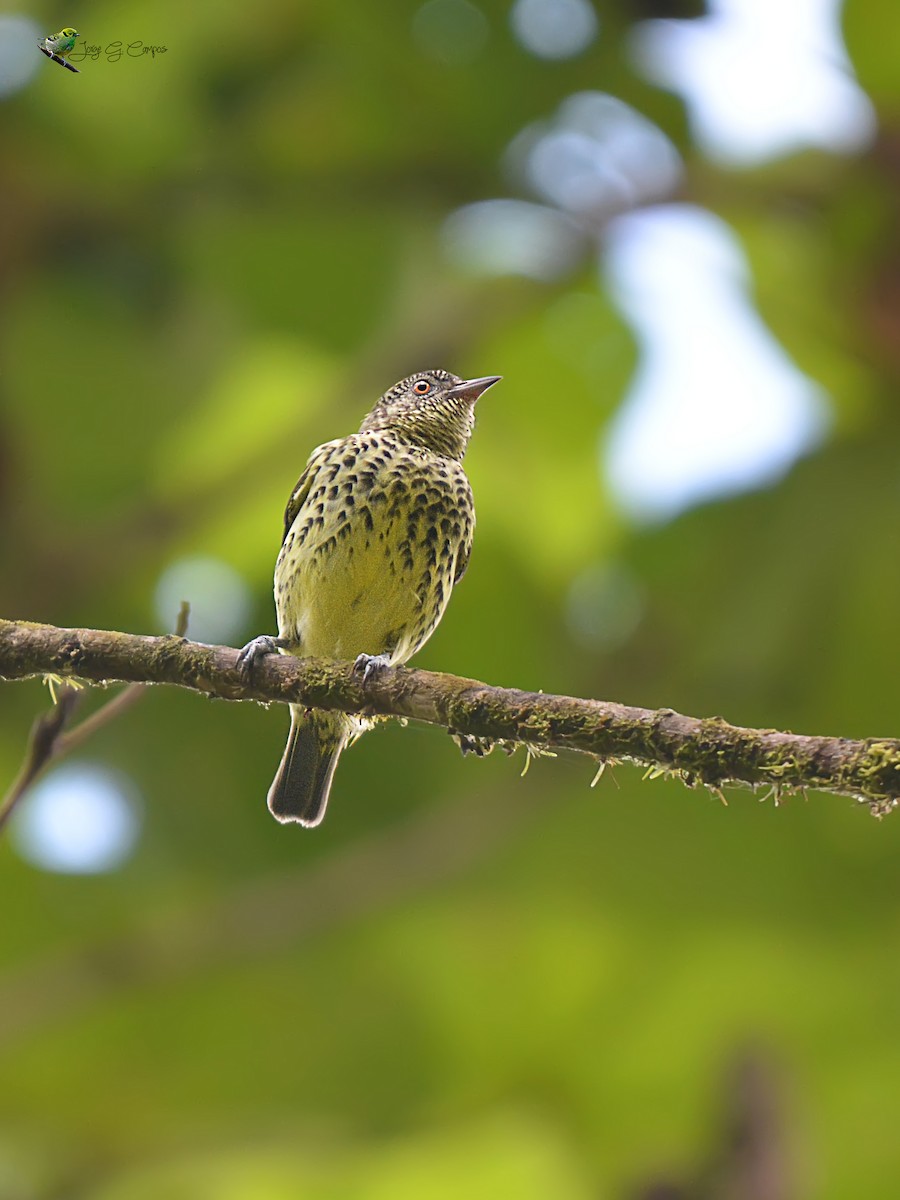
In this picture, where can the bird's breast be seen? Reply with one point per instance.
(369, 561)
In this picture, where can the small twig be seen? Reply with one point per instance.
(42, 743)
(49, 738)
(107, 712)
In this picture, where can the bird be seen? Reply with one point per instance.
(59, 45)
(377, 532)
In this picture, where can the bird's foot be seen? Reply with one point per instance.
(370, 665)
(259, 647)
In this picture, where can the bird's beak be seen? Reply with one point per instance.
(471, 389)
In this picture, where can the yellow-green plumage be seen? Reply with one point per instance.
(377, 532)
(59, 45)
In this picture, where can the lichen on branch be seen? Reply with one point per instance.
(707, 751)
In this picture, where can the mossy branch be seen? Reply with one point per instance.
(705, 751)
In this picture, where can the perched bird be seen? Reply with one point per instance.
(376, 533)
(59, 45)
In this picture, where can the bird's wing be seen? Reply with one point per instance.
(462, 559)
(304, 484)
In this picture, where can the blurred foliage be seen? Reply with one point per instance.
(465, 983)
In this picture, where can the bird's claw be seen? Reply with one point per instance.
(259, 647)
(370, 665)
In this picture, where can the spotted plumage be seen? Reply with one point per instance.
(376, 534)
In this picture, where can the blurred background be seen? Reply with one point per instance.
(672, 227)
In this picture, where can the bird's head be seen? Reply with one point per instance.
(68, 32)
(431, 408)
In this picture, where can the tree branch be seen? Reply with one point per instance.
(705, 751)
(51, 738)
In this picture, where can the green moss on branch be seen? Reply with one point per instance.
(706, 751)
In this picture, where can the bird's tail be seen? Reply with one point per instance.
(300, 789)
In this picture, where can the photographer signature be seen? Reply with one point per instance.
(113, 51)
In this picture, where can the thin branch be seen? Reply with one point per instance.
(51, 739)
(43, 740)
(705, 751)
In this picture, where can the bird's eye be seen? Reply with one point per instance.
(423, 387)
